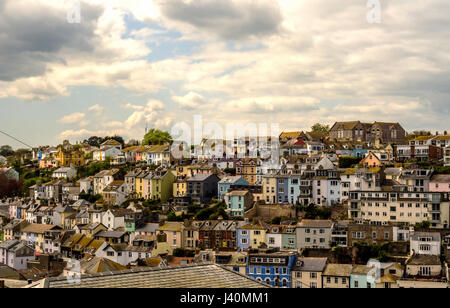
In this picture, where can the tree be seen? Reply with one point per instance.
(94, 141)
(156, 137)
(6, 150)
(423, 225)
(9, 187)
(320, 129)
(115, 137)
(348, 161)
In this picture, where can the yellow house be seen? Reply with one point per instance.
(140, 183)
(172, 233)
(269, 189)
(33, 234)
(257, 234)
(72, 157)
(247, 168)
(180, 188)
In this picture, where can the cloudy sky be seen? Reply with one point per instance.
(293, 62)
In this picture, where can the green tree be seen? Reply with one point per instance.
(348, 161)
(6, 150)
(320, 129)
(156, 137)
(422, 225)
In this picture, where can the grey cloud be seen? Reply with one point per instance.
(28, 42)
(229, 20)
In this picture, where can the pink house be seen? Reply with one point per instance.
(440, 183)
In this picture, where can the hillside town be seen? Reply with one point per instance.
(352, 205)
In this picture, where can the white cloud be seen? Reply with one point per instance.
(191, 100)
(293, 62)
(96, 108)
(72, 118)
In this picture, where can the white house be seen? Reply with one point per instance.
(425, 243)
(158, 155)
(113, 219)
(66, 173)
(87, 185)
(103, 179)
(274, 237)
(102, 154)
(16, 254)
(447, 156)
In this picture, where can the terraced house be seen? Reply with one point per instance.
(272, 268)
(397, 207)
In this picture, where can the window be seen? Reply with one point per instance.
(425, 271)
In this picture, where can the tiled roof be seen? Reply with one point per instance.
(311, 223)
(424, 260)
(441, 178)
(340, 270)
(187, 276)
(171, 226)
(361, 269)
(37, 228)
(100, 265)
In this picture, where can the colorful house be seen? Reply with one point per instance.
(227, 182)
(271, 268)
(238, 201)
(256, 235)
(162, 185)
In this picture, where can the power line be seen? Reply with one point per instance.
(12, 137)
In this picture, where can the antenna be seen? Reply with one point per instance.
(146, 127)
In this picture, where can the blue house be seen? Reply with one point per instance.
(272, 268)
(294, 189)
(238, 201)
(226, 183)
(282, 189)
(359, 277)
(242, 239)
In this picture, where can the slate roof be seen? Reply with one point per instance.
(187, 276)
(199, 177)
(436, 237)
(230, 180)
(310, 264)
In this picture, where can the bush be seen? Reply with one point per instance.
(422, 225)
(348, 161)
